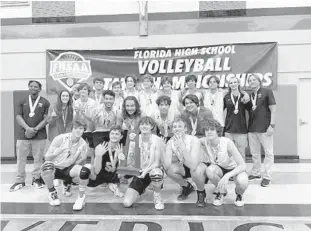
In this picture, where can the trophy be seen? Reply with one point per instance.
(131, 164)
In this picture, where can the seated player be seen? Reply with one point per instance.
(225, 162)
(182, 155)
(164, 117)
(65, 160)
(106, 159)
(150, 147)
(104, 117)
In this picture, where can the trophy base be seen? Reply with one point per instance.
(131, 171)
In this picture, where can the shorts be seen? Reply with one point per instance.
(187, 172)
(224, 171)
(63, 174)
(100, 137)
(140, 184)
(88, 137)
(104, 177)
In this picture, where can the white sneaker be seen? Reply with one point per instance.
(80, 203)
(115, 189)
(158, 203)
(239, 202)
(56, 182)
(219, 199)
(66, 190)
(53, 199)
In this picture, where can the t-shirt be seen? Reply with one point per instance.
(147, 102)
(235, 123)
(167, 124)
(88, 108)
(222, 158)
(104, 120)
(260, 118)
(22, 108)
(147, 151)
(215, 103)
(204, 114)
(66, 156)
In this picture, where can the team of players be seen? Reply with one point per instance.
(176, 134)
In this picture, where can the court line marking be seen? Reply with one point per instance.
(152, 217)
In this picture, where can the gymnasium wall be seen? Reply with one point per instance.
(24, 58)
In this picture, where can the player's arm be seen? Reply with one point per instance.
(19, 113)
(193, 160)
(44, 122)
(241, 166)
(55, 148)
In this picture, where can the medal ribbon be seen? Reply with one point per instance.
(194, 124)
(32, 107)
(236, 104)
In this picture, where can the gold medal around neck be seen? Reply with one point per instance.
(31, 114)
(254, 107)
(236, 111)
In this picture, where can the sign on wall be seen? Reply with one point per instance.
(65, 68)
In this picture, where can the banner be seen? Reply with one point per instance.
(65, 68)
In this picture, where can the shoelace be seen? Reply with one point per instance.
(67, 188)
(218, 196)
(54, 196)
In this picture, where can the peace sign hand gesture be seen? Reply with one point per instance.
(101, 149)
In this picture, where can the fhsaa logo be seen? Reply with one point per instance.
(70, 68)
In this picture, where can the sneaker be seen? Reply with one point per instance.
(201, 199)
(158, 203)
(265, 182)
(115, 189)
(252, 177)
(66, 190)
(56, 183)
(219, 199)
(41, 180)
(239, 201)
(36, 183)
(17, 186)
(53, 199)
(186, 190)
(80, 203)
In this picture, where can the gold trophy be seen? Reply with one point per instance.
(131, 164)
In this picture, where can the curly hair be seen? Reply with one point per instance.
(165, 99)
(137, 113)
(212, 124)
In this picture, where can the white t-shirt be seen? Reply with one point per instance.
(88, 108)
(147, 151)
(147, 102)
(215, 102)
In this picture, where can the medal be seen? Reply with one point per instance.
(236, 104)
(113, 160)
(194, 124)
(254, 99)
(32, 107)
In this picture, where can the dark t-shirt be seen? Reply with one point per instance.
(22, 108)
(204, 114)
(106, 159)
(235, 123)
(260, 118)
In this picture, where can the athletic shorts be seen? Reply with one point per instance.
(224, 171)
(187, 172)
(88, 137)
(140, 184)
(100, 137)
(63, 174)
(104, 177)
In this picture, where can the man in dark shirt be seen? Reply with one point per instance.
(31, 115)
(107, 155)
(261, 127)
(194, 115)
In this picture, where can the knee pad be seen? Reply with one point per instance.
(156, 176)
(47, 166)
(85, 173)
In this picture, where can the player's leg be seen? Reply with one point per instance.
(200, 179)
(156, 176)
